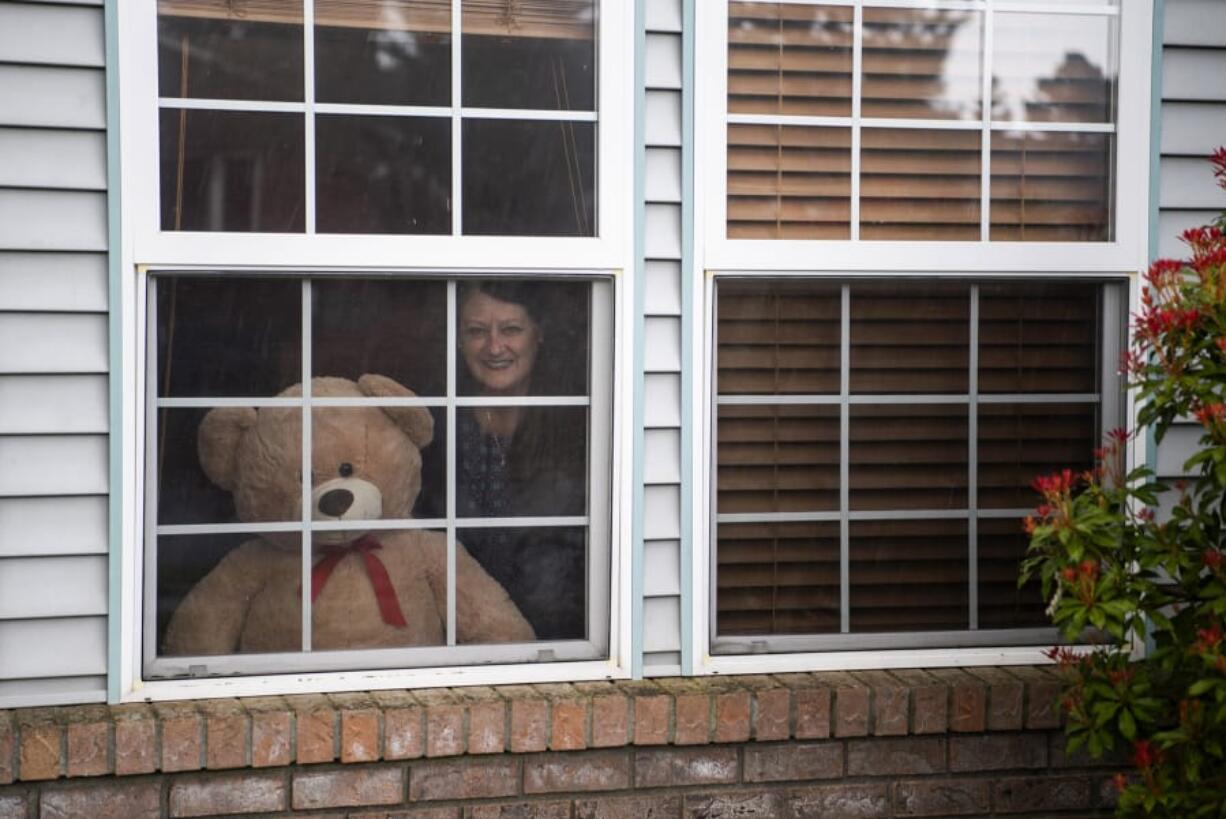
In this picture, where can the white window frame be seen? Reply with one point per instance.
(1120, 260)
(145, 248)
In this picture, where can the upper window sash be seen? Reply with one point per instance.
(1126, 249)
(142, 105)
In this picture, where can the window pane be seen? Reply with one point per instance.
(922, 63)
(356, 606)
(228, 53)
(382, 174)
(372, 463)
(226, 571)
(519, 337)
(1018, 442)
(521, 461)
(231, 170)
(778, 578)
(391, 327)
(525, 178)
(909, 575)
(388, 52)
(1038, 338)
(777, 459)
(778, 337)
(1002, 547)
(789, 182)
(910, 339)
(538, 55)
(543, 570)
(908, 457)
(211, 329)
(789, 59)
(1053, 68)
(920, 184)
(1052, 187)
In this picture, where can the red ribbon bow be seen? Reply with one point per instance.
(389, 607)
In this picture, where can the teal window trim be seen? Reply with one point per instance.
(115, 499)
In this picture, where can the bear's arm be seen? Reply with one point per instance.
(211, 617)
(484, 612)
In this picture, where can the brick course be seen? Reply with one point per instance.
(862, 744)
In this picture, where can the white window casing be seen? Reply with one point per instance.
(1115, 262)
(604, 259)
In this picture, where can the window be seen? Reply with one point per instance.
(918, 221)
(509, 492)
(977, 124)
(875, 442)
(393, 221)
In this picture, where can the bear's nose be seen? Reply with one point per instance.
(335, 502)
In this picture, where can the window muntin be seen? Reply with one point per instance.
(237, 340)
(874, 446)
(926, 71)
(530, 72)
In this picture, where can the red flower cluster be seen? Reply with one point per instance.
(1207, 639)
(1210, 414)
(1144, 753)
(1213, 559)
(1218, 158)
(1055, 485)
(1158, 322)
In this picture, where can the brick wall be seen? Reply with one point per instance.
(949, 742)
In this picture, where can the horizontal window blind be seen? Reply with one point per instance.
(567, 19)
(792, 178)
(958, 395)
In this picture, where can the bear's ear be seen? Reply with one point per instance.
(417, 422)
(217, 442)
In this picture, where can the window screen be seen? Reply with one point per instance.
(874, 446)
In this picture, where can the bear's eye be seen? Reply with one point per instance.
(346, 469)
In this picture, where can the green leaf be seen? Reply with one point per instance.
(1128, 725)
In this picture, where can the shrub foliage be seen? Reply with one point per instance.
(1147, 592)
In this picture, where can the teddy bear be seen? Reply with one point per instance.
(370, 588)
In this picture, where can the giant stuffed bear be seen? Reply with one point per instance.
(370, 588)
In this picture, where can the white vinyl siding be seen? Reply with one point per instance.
(1193, 120)
(662, 342)
(54, 467)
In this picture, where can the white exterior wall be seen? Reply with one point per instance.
(53, 353)
(1193, 125)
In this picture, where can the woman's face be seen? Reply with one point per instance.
(499, 342)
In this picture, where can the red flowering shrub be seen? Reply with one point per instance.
(1150, 595)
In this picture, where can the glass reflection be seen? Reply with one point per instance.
(920, 185)
(210, 329)
(520, 337)
(228, 53)
(789, 59)
(1053, 68)
(910, 340)
(380, 174)
(544, 572)
(529, 178)
(778, 458)
(393, 327)
(232, 171)
(909, 575)
(530, 55)
(386, 52)
(922, 63)
(778, 578)
(908, 456)
(787, 182)
(228, 594)
(1052, 186)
